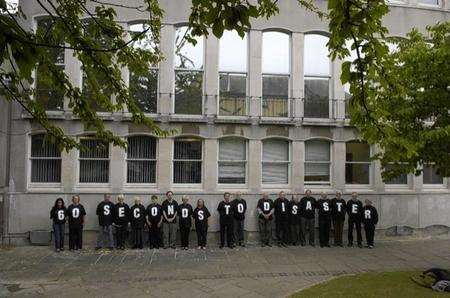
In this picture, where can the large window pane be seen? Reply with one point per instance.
(317, 161)
(94, 161)
(233, 100)
(188, 92)
(187, 55)
(275, 53)
(401, 179)
(233, 52)
(357, 173)
(275, 165)
(45, 161)
(187, 164)
(144, 90)
(232, 161)
(141, 159)
(430, 175)
(317, 97)
(275, 96)
(357, 167)
(316, 60)
(429, 2)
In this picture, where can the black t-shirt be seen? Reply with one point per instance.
(58, 215)
(282, 211)
(137, 215)
(338, 208)
(295, 212)
(239, 208)
(185, 215)
(170, 208)
(225, 211)
(121, 214)
(354, 209)
(105, 213)
(369, 215)
(324, 208)
(154, 213)
(266, 206)
(308, 206)
(75, 213)
(201, 215)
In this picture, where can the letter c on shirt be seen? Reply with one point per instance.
(136, 213)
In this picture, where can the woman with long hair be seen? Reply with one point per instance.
(58, 215)
(201, 218)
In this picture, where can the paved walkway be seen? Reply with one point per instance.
(244, 272)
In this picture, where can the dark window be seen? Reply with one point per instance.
(45, 161)
(357, 165)
(187, 161)
(94, 161)
(141, 159)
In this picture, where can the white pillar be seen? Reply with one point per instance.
(298, 166)
(166, 71)
(211, 85)
(338, 103)
(297, 78)
(254, 73)
(254, 165)
(69, 166)
(164, 165)
(117, 171)
(338, 165)
(210, 165)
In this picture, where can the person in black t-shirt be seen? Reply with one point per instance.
(121, 219)
(170, 212)
(137, 220)
(105, 213)
(338, 209)
(307, 220)
(226, 221)
(239, 206)
(370, 220)
(324, 210)
(154, 222)
(354, 211)
(294, 219)
(185, 219)
(282, 214)
(76, 215)
(201, 218)
(265, 211)
(58, 215)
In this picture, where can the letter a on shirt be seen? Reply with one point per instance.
(106, 210)
(308, 206)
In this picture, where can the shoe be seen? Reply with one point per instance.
(284, 244)
(350, 245)
(199, 247)
(140, 247)
(230, 246)
(242, 245)
(204, 247)
(312, 245)
(269, 245)
(328, 245)
(370, 246)
(58, 250)
(341, 245)
(221, 246)
(173, 246)
(360, 245)
(62, 249)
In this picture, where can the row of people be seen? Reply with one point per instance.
(294, 220)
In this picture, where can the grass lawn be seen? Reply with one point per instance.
(387, 284)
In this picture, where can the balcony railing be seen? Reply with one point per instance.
(317, 108)
(233, 106)
(275, 107)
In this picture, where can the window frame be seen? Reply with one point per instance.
(330, 164)
(370, 163)
(288, 163)
(135, 185)
(40, 185)
(399, 186)
(202, 178)
(232, 185)
(427, 5)
(434, 186)
(97, 186)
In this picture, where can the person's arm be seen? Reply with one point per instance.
(52, 213)
(375, 219)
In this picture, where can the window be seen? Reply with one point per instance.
(275, 74)
(187, 161)
(233, 74)
(144, 87)
(275, 162)
(45, 161)
(317, 77)
(46, 94)
(430, 175)
(317, 162)
(188, 74)
(94, 161)
(357, 165)
(429, 2)
(232, 161)
(401, 179)
(141, 159)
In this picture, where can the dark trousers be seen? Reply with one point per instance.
(324, 231)
(357, 224)
(239, 231)
(226, 231)
(295, 233)
(202, 232)
(370, 232)
(58, 231)
(154, 236)
(282, 230)
(307, 226)
(75, 236)
(265, 230)
(137, 237)
(184, 235)
(121, 232)
(338, 227)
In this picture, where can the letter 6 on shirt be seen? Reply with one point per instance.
(60, 214)
(106, 210)
(75, 212)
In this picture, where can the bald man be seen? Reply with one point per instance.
(265, 210)
(137, 219)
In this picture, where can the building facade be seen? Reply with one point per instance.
(263, 113)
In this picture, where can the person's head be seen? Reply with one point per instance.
(265, 195)
(184, 199)
(368, 202)
(282, 194)
(354, 196)
(137, 201)
(237, 195)
(323, 195)
(59, 203)
(200, 203)
(154, 199)
(338, 194)
(169, 195)
(107, 197)
(226, 196)
(120, 199)
(308, 192)
(295, 198)
(76, 199)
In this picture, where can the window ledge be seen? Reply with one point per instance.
(94, 187)
(277, 120)
(44, 187)
(233, 119)
(188, 118)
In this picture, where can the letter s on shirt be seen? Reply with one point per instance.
(106, 210)
(201, 215)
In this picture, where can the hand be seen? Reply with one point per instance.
(159, 225)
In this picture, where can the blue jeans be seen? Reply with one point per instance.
(105, 233)
(58, 231)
